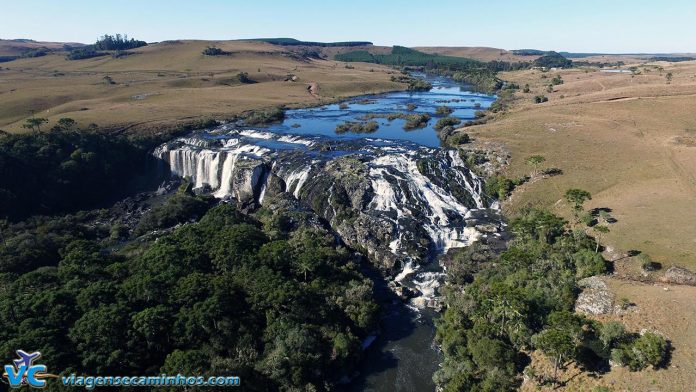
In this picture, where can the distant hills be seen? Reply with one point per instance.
(295, 42)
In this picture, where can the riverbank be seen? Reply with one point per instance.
(627, 138)
(172, 85)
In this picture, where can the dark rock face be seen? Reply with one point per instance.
(397, 202)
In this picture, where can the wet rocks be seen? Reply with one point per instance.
(435, 303)
(403, 292)
(395, 201)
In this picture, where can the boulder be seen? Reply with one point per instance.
(595, 298)
(678, 275)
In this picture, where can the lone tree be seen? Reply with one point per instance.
(34, 123)
(560, 340)
(558, 345)
(535, 161)
(599, 230)
(66, 123)
(577, 197)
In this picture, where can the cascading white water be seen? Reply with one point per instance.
(421, 192)
(436, 203)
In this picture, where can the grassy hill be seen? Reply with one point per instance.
(478, 53)
(170, 84)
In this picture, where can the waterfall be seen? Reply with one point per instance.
(400, 193)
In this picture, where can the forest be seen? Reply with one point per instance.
(274, 300)
(65, 170)
(503, 305)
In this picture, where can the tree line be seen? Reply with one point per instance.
(64, 169)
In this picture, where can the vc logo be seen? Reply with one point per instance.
(24, 372)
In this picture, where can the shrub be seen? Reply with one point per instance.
(87, 52)
(612, 333)
(499, 187)
(443, 111)
(180, 208)
(648, 350)
(214, 51)
(589, 263)
(447, 121)
(243, 77)
(357, 127)
(540, 99)
(458, 139)
(414, 121)
(264, 116)
(647, 263)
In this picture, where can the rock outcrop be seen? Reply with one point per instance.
(678, 275)
(395, 201)
(595, 298)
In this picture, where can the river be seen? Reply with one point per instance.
(403, 358)
(411, 201)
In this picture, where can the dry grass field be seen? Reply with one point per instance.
(164, 85)
(10, 47)
(476, 53)
(629, 139)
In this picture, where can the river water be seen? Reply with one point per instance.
(403, 357)
(323, 120)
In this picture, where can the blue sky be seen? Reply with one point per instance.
(581, 26)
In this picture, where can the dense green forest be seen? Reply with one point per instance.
(65, 170)
(480, 74)
(553, 60)
(501, 306)
(275, 301)
(167, 284)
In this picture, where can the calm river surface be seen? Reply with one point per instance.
(323, 120)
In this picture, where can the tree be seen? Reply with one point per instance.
(599, 230)
(648, 350)
(669, 77)
(558, 345)
(66, 123)
(535, 161)
(34, 123)
(577, 197)
(540, 99)
(611, 333)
